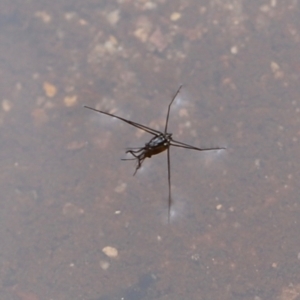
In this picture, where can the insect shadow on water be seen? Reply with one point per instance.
(160, 142)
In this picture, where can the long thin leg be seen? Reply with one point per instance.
(167, 119)
(139, 164)
(169, 182)
(187, 146)
(138, 157)
(137, 125)
(135, 150)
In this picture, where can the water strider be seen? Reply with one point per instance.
(160, 142)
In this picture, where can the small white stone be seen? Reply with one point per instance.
(110, 251)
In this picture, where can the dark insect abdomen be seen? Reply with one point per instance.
(157, 145)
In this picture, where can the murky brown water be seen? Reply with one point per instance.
(75, 223)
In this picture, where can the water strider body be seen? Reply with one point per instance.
(160, 142)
